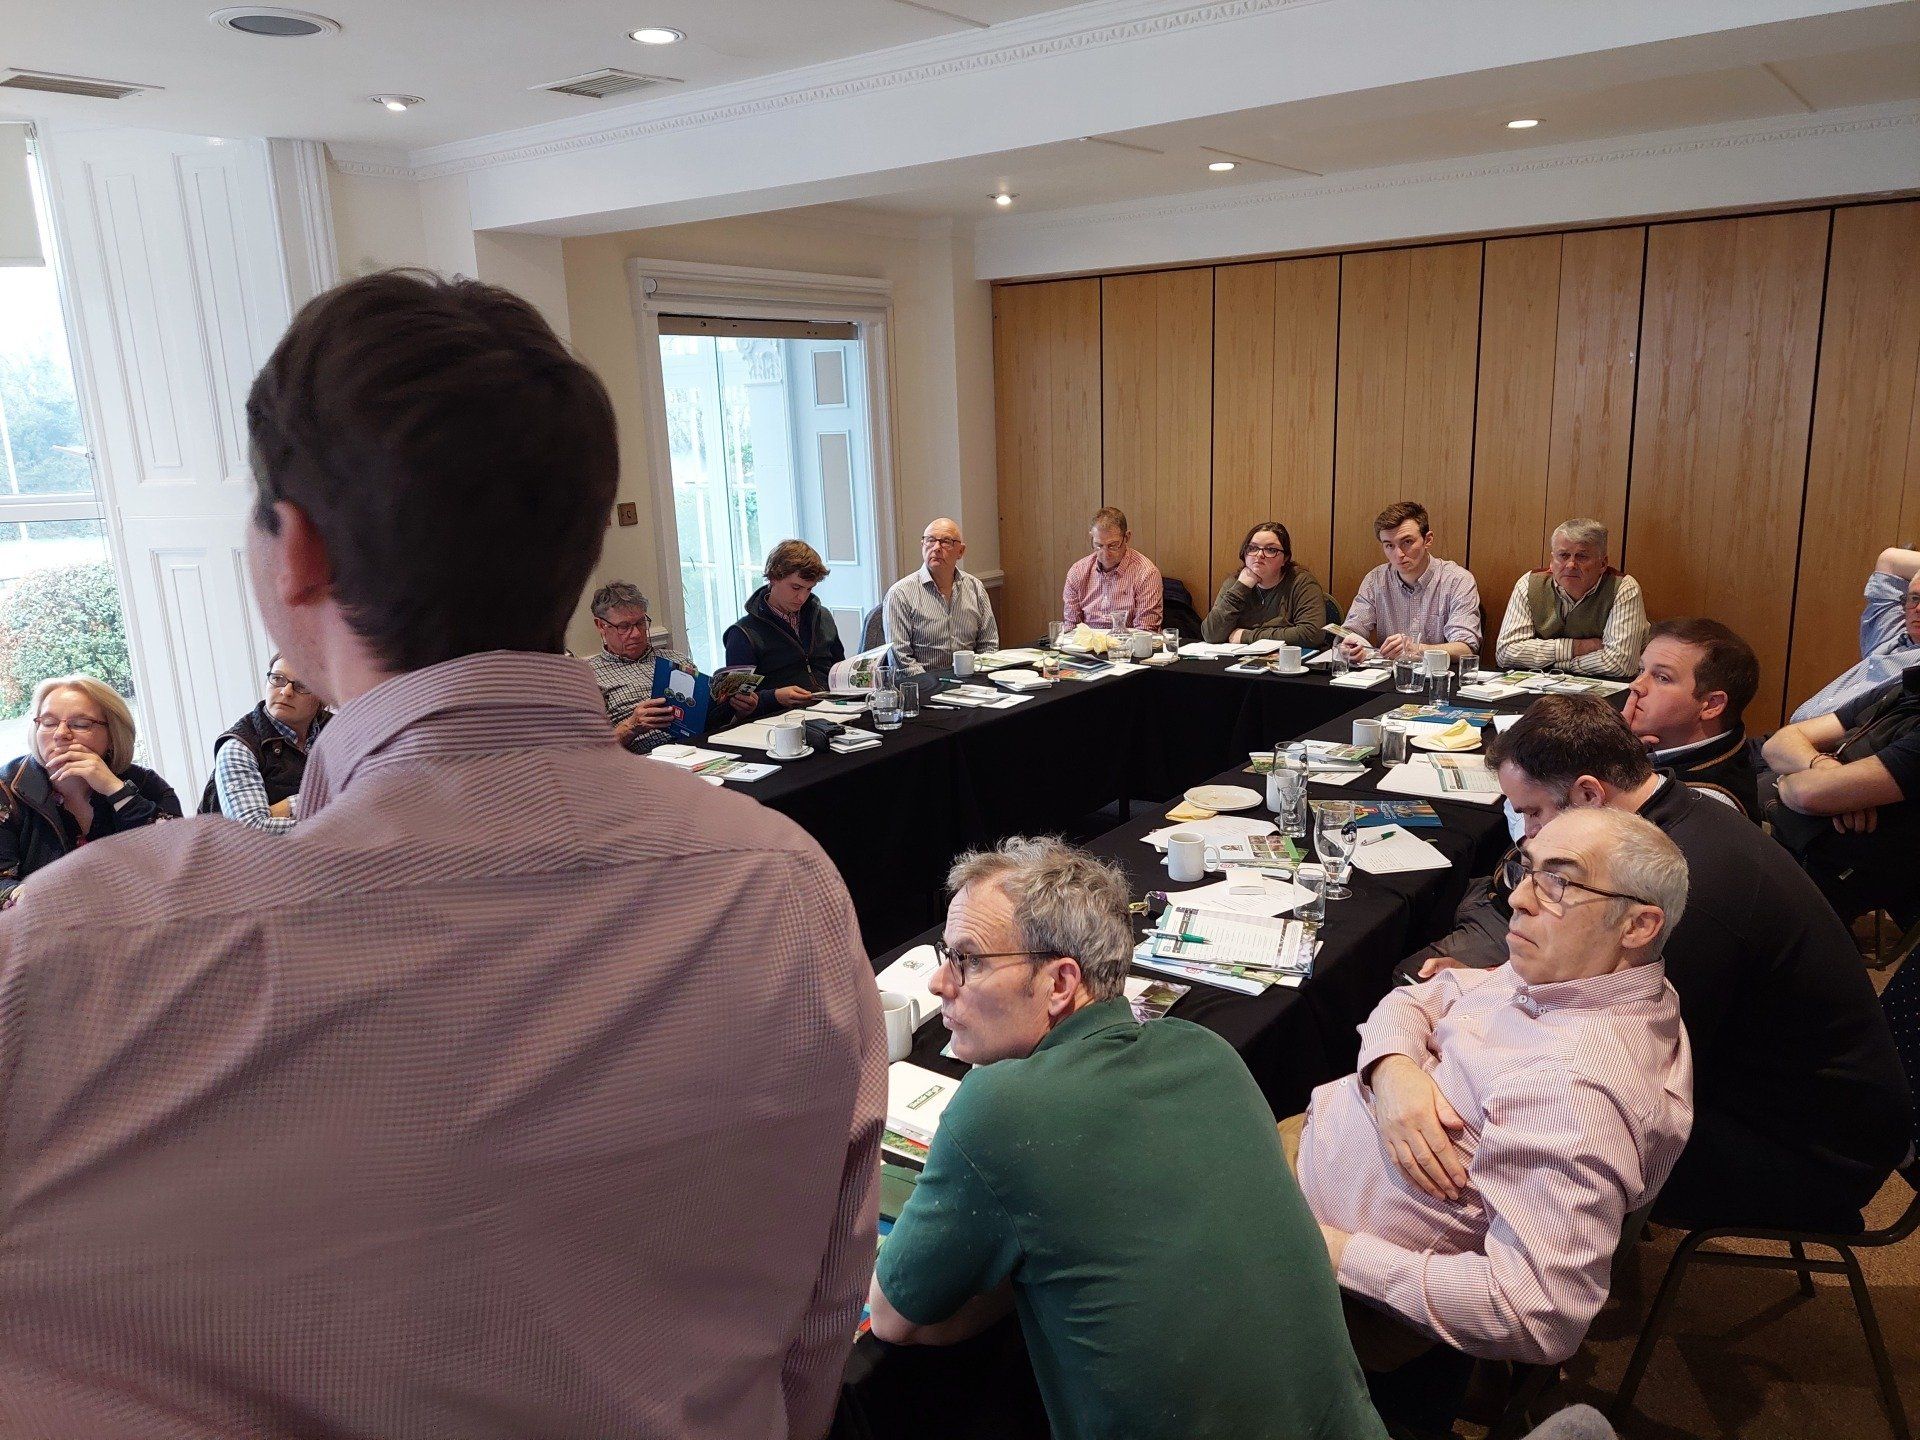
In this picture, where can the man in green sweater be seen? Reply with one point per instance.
(1120, 1185)
(1579, 614)
(1271, 598)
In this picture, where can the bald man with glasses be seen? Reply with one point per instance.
(939, 608)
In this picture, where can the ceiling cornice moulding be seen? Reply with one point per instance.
(1014, 42)
(371, 162)
(1280, 192)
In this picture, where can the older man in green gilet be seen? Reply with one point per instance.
(1579, 614)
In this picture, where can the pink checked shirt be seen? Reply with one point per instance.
(1132, 588)
(527, 1088)
(1578, 1097)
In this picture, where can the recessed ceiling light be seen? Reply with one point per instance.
(1003, 199)
(1521, 124)
(657, 35)
(1221, 165)
(272, 22)
(397, 103)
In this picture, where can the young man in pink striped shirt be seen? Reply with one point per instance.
(1565, 1080)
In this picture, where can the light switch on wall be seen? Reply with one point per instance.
(628, 512)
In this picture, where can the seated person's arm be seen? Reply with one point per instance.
(1224, 618)
(1518, 648)
(1149, 606)
(1304, 622)
(897, 630)
(1360, 620)
(1415, 1120)
(989, 637)
(945, 1272)
(1793, 748)
(739, 651)
(1072, 593)
(1617, 651)
(1543, 1274)
(1841, 789)
(242, 792)
(968, 1321)
(1901, 564)
(1462, 636)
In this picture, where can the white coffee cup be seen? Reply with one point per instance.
(1187, 856)
(902, 1014)
(1367, 733)
(1287, 658)
(963, 662)
(787, 741)
(1438, 662)
(1140, 645)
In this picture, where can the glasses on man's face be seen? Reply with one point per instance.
(1551, 886)
(938, 542)
(1272, 552)
(78, 724)
(277, 681)
(1912, 602)
(967, 966)
(627, 627)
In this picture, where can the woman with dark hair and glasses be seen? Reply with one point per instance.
(76, 783)
(1271, 598)
(259, 761)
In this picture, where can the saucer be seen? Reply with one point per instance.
(801, 756)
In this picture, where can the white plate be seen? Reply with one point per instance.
(783, 758)
(1425, 742)
(1224, 797)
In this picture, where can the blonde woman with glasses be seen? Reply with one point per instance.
(77, 782)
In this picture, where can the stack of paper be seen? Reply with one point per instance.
(685, 757)
(915, 1100)
(1226, 650)
(909, 976)
(850, 740)
(1221, 830)
(1000, 659)
(754, 735)
(732, 767)
(1021, 680)
(1241, 953)
(1445, 777)
(1251, 893)
(1361, 679)
(1393, 850)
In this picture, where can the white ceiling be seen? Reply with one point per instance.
(471, 60)
(1803, 68)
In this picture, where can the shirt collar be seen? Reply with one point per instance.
(286, 730)
(1594, 992)
(1664, 758)
(644, 655)
(1089, 1020)
(501, 686)
(1414, 587)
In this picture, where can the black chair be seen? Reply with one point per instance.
(1327, 641)
(872, 627)
(1177, 611)
(1901, 1001)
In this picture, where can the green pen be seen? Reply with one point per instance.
(1183, 939)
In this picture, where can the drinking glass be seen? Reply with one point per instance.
(1334, 837)
(1337, 662)
(1441, 687)
(1406, 675)
(1469, 669)
(1393, 742)
(1313, 880)
(1170, 640)
(1287, 794)
(1055, 629)
(886, 709)
(1050, 665)
(909, 698)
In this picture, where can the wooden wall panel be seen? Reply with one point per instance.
(1046, 369)
(1409, 328)
(1863, 421)
(1729, 331)
(1156, 340)
(1597, 343)
(1276, 331)
(1513, 416)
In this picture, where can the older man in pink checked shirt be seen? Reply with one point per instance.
(1473, 1176)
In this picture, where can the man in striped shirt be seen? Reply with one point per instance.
(1565, 1080)
(1579, 614)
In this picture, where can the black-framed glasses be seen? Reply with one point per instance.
(625, 627)
(938, 541)
(1272, 552)
(972, 967)
(277, 681)
(1550, 885)
(1911, 601)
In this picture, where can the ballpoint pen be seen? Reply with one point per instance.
(1386, 834)
(1176, 935)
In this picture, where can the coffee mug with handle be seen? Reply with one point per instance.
(1287, 659)
(902, 1014)
(788, 740)
(1188, 855)
(963, 662)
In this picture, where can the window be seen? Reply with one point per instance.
(60, 605)
(768, 439)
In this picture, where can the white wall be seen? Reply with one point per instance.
(942, 358)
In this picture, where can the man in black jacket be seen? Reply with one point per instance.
(1801, 1110)
(1696, 680)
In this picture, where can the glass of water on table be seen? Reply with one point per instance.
(887, 707)
(1334, 838)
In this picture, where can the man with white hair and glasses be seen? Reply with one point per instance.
(1577, 614)
(1120, 1184)
(939, 608)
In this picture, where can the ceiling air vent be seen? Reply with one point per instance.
(604, 84)
(51, 84)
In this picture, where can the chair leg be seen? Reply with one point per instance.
(1650, 1336)
(1806, 1277)
(1876, 1346)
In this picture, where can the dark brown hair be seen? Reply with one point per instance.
(1562, 737)
(455, 459)
(1726, 663)
(1398, 513)
(796, 557)
(1286, 543)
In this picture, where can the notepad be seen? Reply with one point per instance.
(1361, 679)
(1397, 853)
(910, 975)
(1275, 896)
(1423, 777)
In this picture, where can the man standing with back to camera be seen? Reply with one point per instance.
(524, 1088)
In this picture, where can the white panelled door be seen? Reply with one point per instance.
(180, 294)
